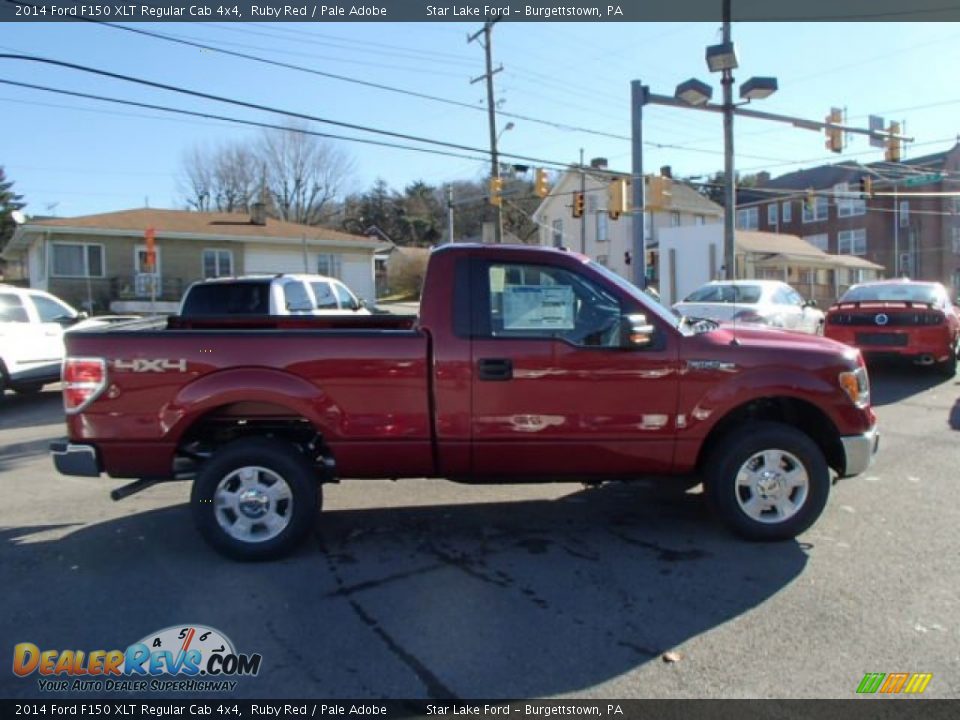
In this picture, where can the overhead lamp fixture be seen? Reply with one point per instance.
(758, 88)
(694, 92)
(722, 57)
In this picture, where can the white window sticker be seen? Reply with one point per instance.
(536, 307)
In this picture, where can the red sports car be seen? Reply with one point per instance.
(899, 318)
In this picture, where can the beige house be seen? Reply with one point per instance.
(99, 261)
(607, 240)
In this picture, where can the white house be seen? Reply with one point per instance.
(606, 240)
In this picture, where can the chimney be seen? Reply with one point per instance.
(258, 214)
(666, 171)
(763, 177)
(598, 163)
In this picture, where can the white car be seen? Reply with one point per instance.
(271, 295)
(32, 324)
(767, 302)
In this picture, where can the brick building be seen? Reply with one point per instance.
(910, 225)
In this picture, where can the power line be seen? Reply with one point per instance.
(267, 108)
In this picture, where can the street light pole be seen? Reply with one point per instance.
(638, 98)
(729, 180)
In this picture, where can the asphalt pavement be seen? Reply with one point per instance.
(428, 589)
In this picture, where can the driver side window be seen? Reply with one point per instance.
(539, 301)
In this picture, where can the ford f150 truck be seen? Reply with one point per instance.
(524, 364)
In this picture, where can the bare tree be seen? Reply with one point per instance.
(303, 173)
(196, 180)
(225, 178)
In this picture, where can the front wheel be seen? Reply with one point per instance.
(767, 481)
(255, 499)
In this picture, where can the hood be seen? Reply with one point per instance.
(751, 335)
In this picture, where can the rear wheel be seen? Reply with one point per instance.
(767, 481)
(255, 499)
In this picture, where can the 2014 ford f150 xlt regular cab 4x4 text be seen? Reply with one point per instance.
(525, 364)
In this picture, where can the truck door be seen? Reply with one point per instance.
(555, 393)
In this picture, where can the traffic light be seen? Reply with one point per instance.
(540, 186)
(617, 200)
(893, 144)
(658, 192)
(834, 134)
(496, 190)
(866, 187)
(577, 207)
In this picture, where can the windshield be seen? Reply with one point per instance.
(907, 292)
(726, 294)
(665, 313)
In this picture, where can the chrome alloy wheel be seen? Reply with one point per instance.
(772, 486)
(253, 504)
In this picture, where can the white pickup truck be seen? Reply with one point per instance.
(32, 324)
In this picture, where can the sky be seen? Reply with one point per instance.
(71, 156)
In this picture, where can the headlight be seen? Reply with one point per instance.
(856, 384)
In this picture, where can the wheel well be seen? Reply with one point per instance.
(235, 421)
(802, 415)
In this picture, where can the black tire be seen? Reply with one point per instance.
(275, 459)
(796, 450)
(948, 368)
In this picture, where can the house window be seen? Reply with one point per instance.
(852, 242)
(956, 240)
(817, 211)
(847, 204)
(699, 220)
(217, 263)
(603, 228)
(77, 260)
(820, 240)
(329, 264)
(558, 233)
(786, 211)
(904, 213)
(748, 218)
(772, 214)
(674, 219)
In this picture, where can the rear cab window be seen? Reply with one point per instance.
(250, 297)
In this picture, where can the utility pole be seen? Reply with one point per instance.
(638, 98)
(491, 112)
(450, 213)
(583, 218)
(729, 184)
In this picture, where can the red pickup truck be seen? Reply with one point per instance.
(525, 364)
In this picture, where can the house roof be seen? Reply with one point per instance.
(751, 241)
(196, 223)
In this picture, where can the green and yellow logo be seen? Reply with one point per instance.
(894, 683)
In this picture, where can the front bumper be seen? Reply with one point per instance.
(71, 459)
(859, 451)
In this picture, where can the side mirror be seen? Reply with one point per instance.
(635, 331)
(359, 304)
(82, 315)
(810, 303)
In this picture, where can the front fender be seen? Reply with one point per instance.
(710, 399)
